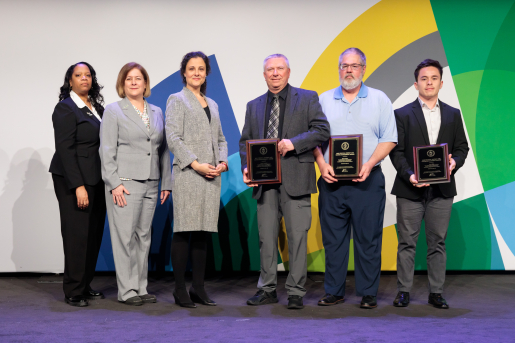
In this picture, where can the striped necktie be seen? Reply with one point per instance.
(273, 122)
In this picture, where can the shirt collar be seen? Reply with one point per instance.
(77, 100)
(81, 104)
(282, 94)
(363, 92)
(423, 104)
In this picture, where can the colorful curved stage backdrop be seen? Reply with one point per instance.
(398, 34)
(475, 44)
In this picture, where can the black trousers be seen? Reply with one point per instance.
(82, 232)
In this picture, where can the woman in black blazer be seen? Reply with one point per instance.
(77, 178)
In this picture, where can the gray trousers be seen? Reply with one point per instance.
(274, 204)
(130, 236)
(436, 211)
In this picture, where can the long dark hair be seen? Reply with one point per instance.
(185, 61)
(97, 100)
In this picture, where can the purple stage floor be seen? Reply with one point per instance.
(482, 310)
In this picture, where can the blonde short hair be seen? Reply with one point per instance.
(122, 75)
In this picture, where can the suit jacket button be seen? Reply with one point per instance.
(148, 139)
(148, 154)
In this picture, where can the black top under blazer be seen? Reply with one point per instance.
(412, 131)
(77, 140)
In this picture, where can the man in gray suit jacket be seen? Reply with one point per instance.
(295, 116)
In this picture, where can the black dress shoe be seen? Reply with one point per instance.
(368, 302)
(183, 299)
(133, 301)
(295, 302)
(330, 299)
(437, 301)
(148, 298)
(94, 295)
(201, 297)
(77, 300)
(262, 298)
(401, 300)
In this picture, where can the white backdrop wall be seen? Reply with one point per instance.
(39, 40)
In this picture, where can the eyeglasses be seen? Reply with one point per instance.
(353, 66)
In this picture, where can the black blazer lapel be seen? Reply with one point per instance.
(88, 114)
(85, 112)
(444, 122)
(293, 96)
(417, 111)
(261, 115)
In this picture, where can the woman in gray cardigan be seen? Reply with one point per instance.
(194, 135)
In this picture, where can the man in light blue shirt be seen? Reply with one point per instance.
(351, 109)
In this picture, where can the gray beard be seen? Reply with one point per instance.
(348, 85)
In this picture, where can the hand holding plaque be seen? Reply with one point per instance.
(263, 161)
(431, 163)
(346, 156)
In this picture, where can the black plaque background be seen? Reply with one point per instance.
(339, 166)
(260, 171)
(429, 168)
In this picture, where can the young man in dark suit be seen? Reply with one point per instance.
(425, 121)
(294, 116)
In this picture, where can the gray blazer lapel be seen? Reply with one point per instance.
(290, 108)
(444, 121)
(213, 127)
(152, 117)
(417, 110)
(197, 108)
(211, 124)
(192, 99)
(261, 115)
(131, 113)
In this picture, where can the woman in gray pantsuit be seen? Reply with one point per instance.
(194, 135)
(134, 158)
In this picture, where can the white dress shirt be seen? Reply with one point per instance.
(433, 120)
(80, 104)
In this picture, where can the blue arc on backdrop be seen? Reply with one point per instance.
(159, 259)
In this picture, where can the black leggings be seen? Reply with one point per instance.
(181, 241)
